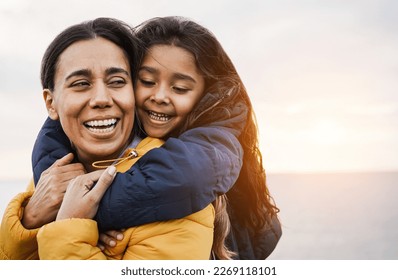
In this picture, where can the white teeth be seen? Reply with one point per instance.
(101, 123)
(158, 117)
(101, 126)
(101, 130)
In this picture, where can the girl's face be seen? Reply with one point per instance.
(93, 98)
(169, 86)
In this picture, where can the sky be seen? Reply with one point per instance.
(322, 75)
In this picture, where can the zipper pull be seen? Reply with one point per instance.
(105, 163)
(132, 154)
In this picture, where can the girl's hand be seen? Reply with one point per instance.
(44, 204)
(109, 238)
(83, 195)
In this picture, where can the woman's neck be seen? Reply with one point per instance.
(88, 160)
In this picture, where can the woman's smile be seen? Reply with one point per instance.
(101, 127)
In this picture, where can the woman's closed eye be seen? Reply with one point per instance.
(80, 84)
(117, 82)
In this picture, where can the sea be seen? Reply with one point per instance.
(330, 216)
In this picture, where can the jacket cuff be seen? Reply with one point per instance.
(68, 239)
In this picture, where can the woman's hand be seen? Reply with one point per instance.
(43, 206)
(83, 195)
(109, 238)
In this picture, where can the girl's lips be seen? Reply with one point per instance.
(159, 116)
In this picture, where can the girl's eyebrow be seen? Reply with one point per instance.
(148, 69)
(181, 76)
(177, 76)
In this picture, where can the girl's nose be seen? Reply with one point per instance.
(161, 96)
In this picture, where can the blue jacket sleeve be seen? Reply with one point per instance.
(178, 179)
(51, 144)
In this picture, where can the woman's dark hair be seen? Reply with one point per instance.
(111, 29)
(224, 92)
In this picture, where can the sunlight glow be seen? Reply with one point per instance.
(325, 132)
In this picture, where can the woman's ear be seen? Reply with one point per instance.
(49, 100)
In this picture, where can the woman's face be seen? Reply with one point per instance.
(169, 86)
(93, 98)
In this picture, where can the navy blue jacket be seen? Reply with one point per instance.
(176, 180)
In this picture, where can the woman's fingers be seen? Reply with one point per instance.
(63, 161)
(104, 181)
(43, 206)
(83, 195)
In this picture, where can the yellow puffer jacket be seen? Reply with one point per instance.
(17, 242)
(188, 238)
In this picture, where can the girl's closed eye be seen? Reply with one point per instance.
(180, 90)
(147, 82)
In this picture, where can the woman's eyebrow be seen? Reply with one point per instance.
(81, 72)
(116, 70)
(88, 72)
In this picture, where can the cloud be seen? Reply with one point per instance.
(321, 74)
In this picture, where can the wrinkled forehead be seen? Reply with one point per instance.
(94, 55)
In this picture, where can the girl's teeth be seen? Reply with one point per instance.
(158, 117)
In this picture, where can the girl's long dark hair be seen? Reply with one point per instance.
(224, 92)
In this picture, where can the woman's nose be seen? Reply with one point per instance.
(101, 97)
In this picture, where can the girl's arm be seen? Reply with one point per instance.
(51, 144)
(180, 178)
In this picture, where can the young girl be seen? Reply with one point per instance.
(189, 185)
(255, 228)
